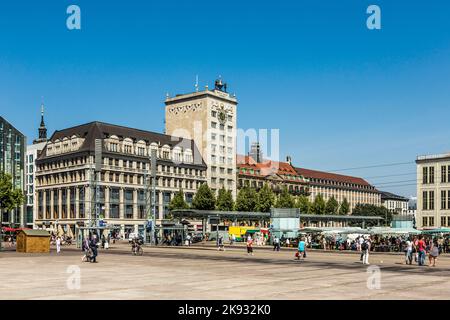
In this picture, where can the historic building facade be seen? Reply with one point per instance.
(12, 161)
(355, 190)
(209, 118)
(277, 175)
(433, 191)
(64, 177)
(32, 154)
(395, 203)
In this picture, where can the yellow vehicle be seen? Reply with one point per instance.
(240, 232)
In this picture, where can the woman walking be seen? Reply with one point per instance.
(434, 253)
(301, 249)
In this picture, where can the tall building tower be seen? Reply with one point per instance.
(12, 162)
(208, 117)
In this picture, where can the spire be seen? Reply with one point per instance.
(42, 131)
(42, 115)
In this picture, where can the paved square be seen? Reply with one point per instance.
(205, 273)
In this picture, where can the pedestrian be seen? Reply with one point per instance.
(220, 244)
(288, 242)
(249, 245)
(324, 243)
(365, 246)
(93, 247)
(421, 250)
(434, 253)
(232, 239)
(58, 245)
(276, 244)
(301, 249)
(409, 251)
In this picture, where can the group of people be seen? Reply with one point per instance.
(418, 248)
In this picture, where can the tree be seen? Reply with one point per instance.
(265, 199)
(303, 204)
(285, 199)
(332, 206)
(371, 210)
(10, 197)
(225, 200)
(178, 201)
(246, 199)
(344, 209)
(319, 205)
(204, 199)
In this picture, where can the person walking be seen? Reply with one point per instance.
(249, 245)
(421, 250)
(232, 239)
(220, 244)
(93, 247)
(301, 249)
(276, 244)
(434, 253)
(366, 248)
(409, 251)
(58, 245)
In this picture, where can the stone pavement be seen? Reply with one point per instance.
(205, 273)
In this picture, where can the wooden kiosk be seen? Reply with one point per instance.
(33, 241)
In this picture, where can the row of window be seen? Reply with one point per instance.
(445, 199)
(429, 221)
(428, 200)
(341, 184)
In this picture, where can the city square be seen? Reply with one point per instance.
(203, 273)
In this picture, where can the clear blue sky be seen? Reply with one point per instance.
(342, 96)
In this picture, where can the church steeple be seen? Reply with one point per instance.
(42, 129)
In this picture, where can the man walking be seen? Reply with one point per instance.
(249, 245)
(409, 251)
(365, 247)
(93, 247)
(276, 244)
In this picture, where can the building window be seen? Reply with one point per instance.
(425, 200)
(443, 174)
(431, 178)
(214, 125)
(443, 199)
(431, 196)
(213, 113)
(443, 221)
(425, 221)
(431, 221)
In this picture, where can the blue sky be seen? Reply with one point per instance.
(342, 96)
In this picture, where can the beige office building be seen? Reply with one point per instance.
(433, 191)
(209, 118)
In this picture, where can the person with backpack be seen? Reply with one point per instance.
(365, 247)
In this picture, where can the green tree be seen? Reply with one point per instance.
(204, 199)
(178, 201)
(285, 199)
(266, 199)
(332, 206)
(344, 209)
(371, 210)
(246, 199)
(303, 204)
(10, 198)
(224, 200)
(319, 205)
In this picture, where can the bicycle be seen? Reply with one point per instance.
(137, 250)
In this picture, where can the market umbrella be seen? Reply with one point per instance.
(60, 231)
(69, 232)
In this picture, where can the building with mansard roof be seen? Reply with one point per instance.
(64, 176)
